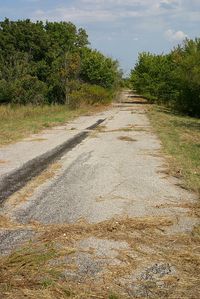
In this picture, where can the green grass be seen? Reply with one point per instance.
(180, 137)
(17, 122)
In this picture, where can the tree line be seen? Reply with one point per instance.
(51, 62)
(172, 79)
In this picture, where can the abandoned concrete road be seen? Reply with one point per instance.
(115, 178)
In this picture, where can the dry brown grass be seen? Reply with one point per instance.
(18, 122)
(29, 273)
(138, 128)
(125, 129)
(36, 139)
(103, 129)
(180, 137)
(192, 207)
(6, 222)
(105, 229)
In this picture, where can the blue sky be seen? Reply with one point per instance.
(118, 28)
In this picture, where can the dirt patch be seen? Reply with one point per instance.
(138, 128)
(139, 112)
(102, 129)
(4, 162)
(128, 128)
(126, 138)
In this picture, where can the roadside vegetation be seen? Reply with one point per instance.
(44, 65)
(172, 79)
(180, 137)
(172, 83)
(19, 121)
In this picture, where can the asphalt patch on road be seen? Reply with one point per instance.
(16, 180)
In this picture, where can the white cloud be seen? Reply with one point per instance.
(169, 4)
(148, 15)
(101, 10)
(172, 35)
(75, 14)
(119, 2)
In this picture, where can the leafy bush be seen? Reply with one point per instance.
(5, 92)
(187, 72)
(29, 90)
(98, 69)
(90, 95)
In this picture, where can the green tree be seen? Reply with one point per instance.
(98, 69)
(53, 57)
(173, 78)
(187, 59)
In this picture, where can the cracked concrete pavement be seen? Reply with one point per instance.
(118, 171)
(107, 175)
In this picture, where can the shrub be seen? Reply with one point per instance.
(5, 92)
(90, 95)
(29, 90)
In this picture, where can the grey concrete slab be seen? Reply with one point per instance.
(117, 172)
(106, 176)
